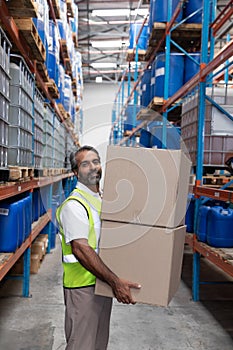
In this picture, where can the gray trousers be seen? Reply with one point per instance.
(87, 318)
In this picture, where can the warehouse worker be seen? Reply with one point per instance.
(87, 315)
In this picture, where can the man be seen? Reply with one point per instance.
(87, 315)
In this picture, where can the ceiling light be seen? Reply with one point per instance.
(98, 79)
(119, 12)
(103, 65)
(110, 43)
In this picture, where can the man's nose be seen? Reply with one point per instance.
(93, 165)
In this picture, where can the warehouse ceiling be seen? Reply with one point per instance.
(103, 36)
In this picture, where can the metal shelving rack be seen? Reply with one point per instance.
(7, 260)
(214, 255)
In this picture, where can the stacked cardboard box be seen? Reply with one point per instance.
(143, 210)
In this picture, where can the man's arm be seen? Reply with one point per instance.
(93, 263)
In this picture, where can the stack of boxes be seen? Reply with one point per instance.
(143, 210)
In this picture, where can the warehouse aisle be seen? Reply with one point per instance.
(37, 323)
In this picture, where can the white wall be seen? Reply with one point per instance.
(97, 116)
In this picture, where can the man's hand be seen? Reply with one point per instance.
(122, 292)
(93, 263)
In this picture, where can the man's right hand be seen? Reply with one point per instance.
(122, 292)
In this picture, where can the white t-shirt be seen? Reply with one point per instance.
(74, 218)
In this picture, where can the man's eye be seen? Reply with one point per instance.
(96, 162)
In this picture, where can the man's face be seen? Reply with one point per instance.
(89, 168)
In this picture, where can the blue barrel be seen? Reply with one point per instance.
(61, 84)
(160, 10)
(22, 220)
(151, 17)
(152, 81)
(67, 93)
(52, 60)
(9, 223)
(62, 30)
(28, 215)
(172, 137)
(189, 216)
(131, 112)
(133, 33)
(202, 218)
(176, 72)
(44, 200)
(145, 134)
(190, 67)
(145, 137)
(219, 227)
(145, 88)
(36, 204)
(190, 7)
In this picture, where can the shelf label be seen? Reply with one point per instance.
(19, 188)
(216, 194)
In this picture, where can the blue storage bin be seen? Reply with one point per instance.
(145, 88)
(189, 217)
(220, 227)
(9, 223)
(176, 73)
(36, 204)
(202, 218)
(133, 33)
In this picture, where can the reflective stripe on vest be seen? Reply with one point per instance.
(75, 275)
(71, 258)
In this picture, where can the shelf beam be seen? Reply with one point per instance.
(222, 195)
(10, 190)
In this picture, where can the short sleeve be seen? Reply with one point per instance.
(74, 221)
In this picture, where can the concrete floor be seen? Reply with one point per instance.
(36, 323)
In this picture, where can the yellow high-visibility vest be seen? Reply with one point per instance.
(75, 275)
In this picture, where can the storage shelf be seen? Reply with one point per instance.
(221, 257)
(9, 259)
(8, 190)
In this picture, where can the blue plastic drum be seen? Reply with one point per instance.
(145, 88)
(160, 10)
(176, 73)
(133, 33)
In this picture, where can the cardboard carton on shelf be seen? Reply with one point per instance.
(150, 256)
(146, 186)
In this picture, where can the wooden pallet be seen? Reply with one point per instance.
(156, 104)
(149, 114)
(187, 35)
(52, 88)
(4, 257)
(131, 55)
(22, 8)
(20, 173)
(75, 40)
(63, 112)
(216, 180)
(31, 36)
(41, 68)
(65, 56)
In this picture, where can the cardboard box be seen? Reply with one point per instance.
(38, 248)
(150, 256)
(146, 186)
